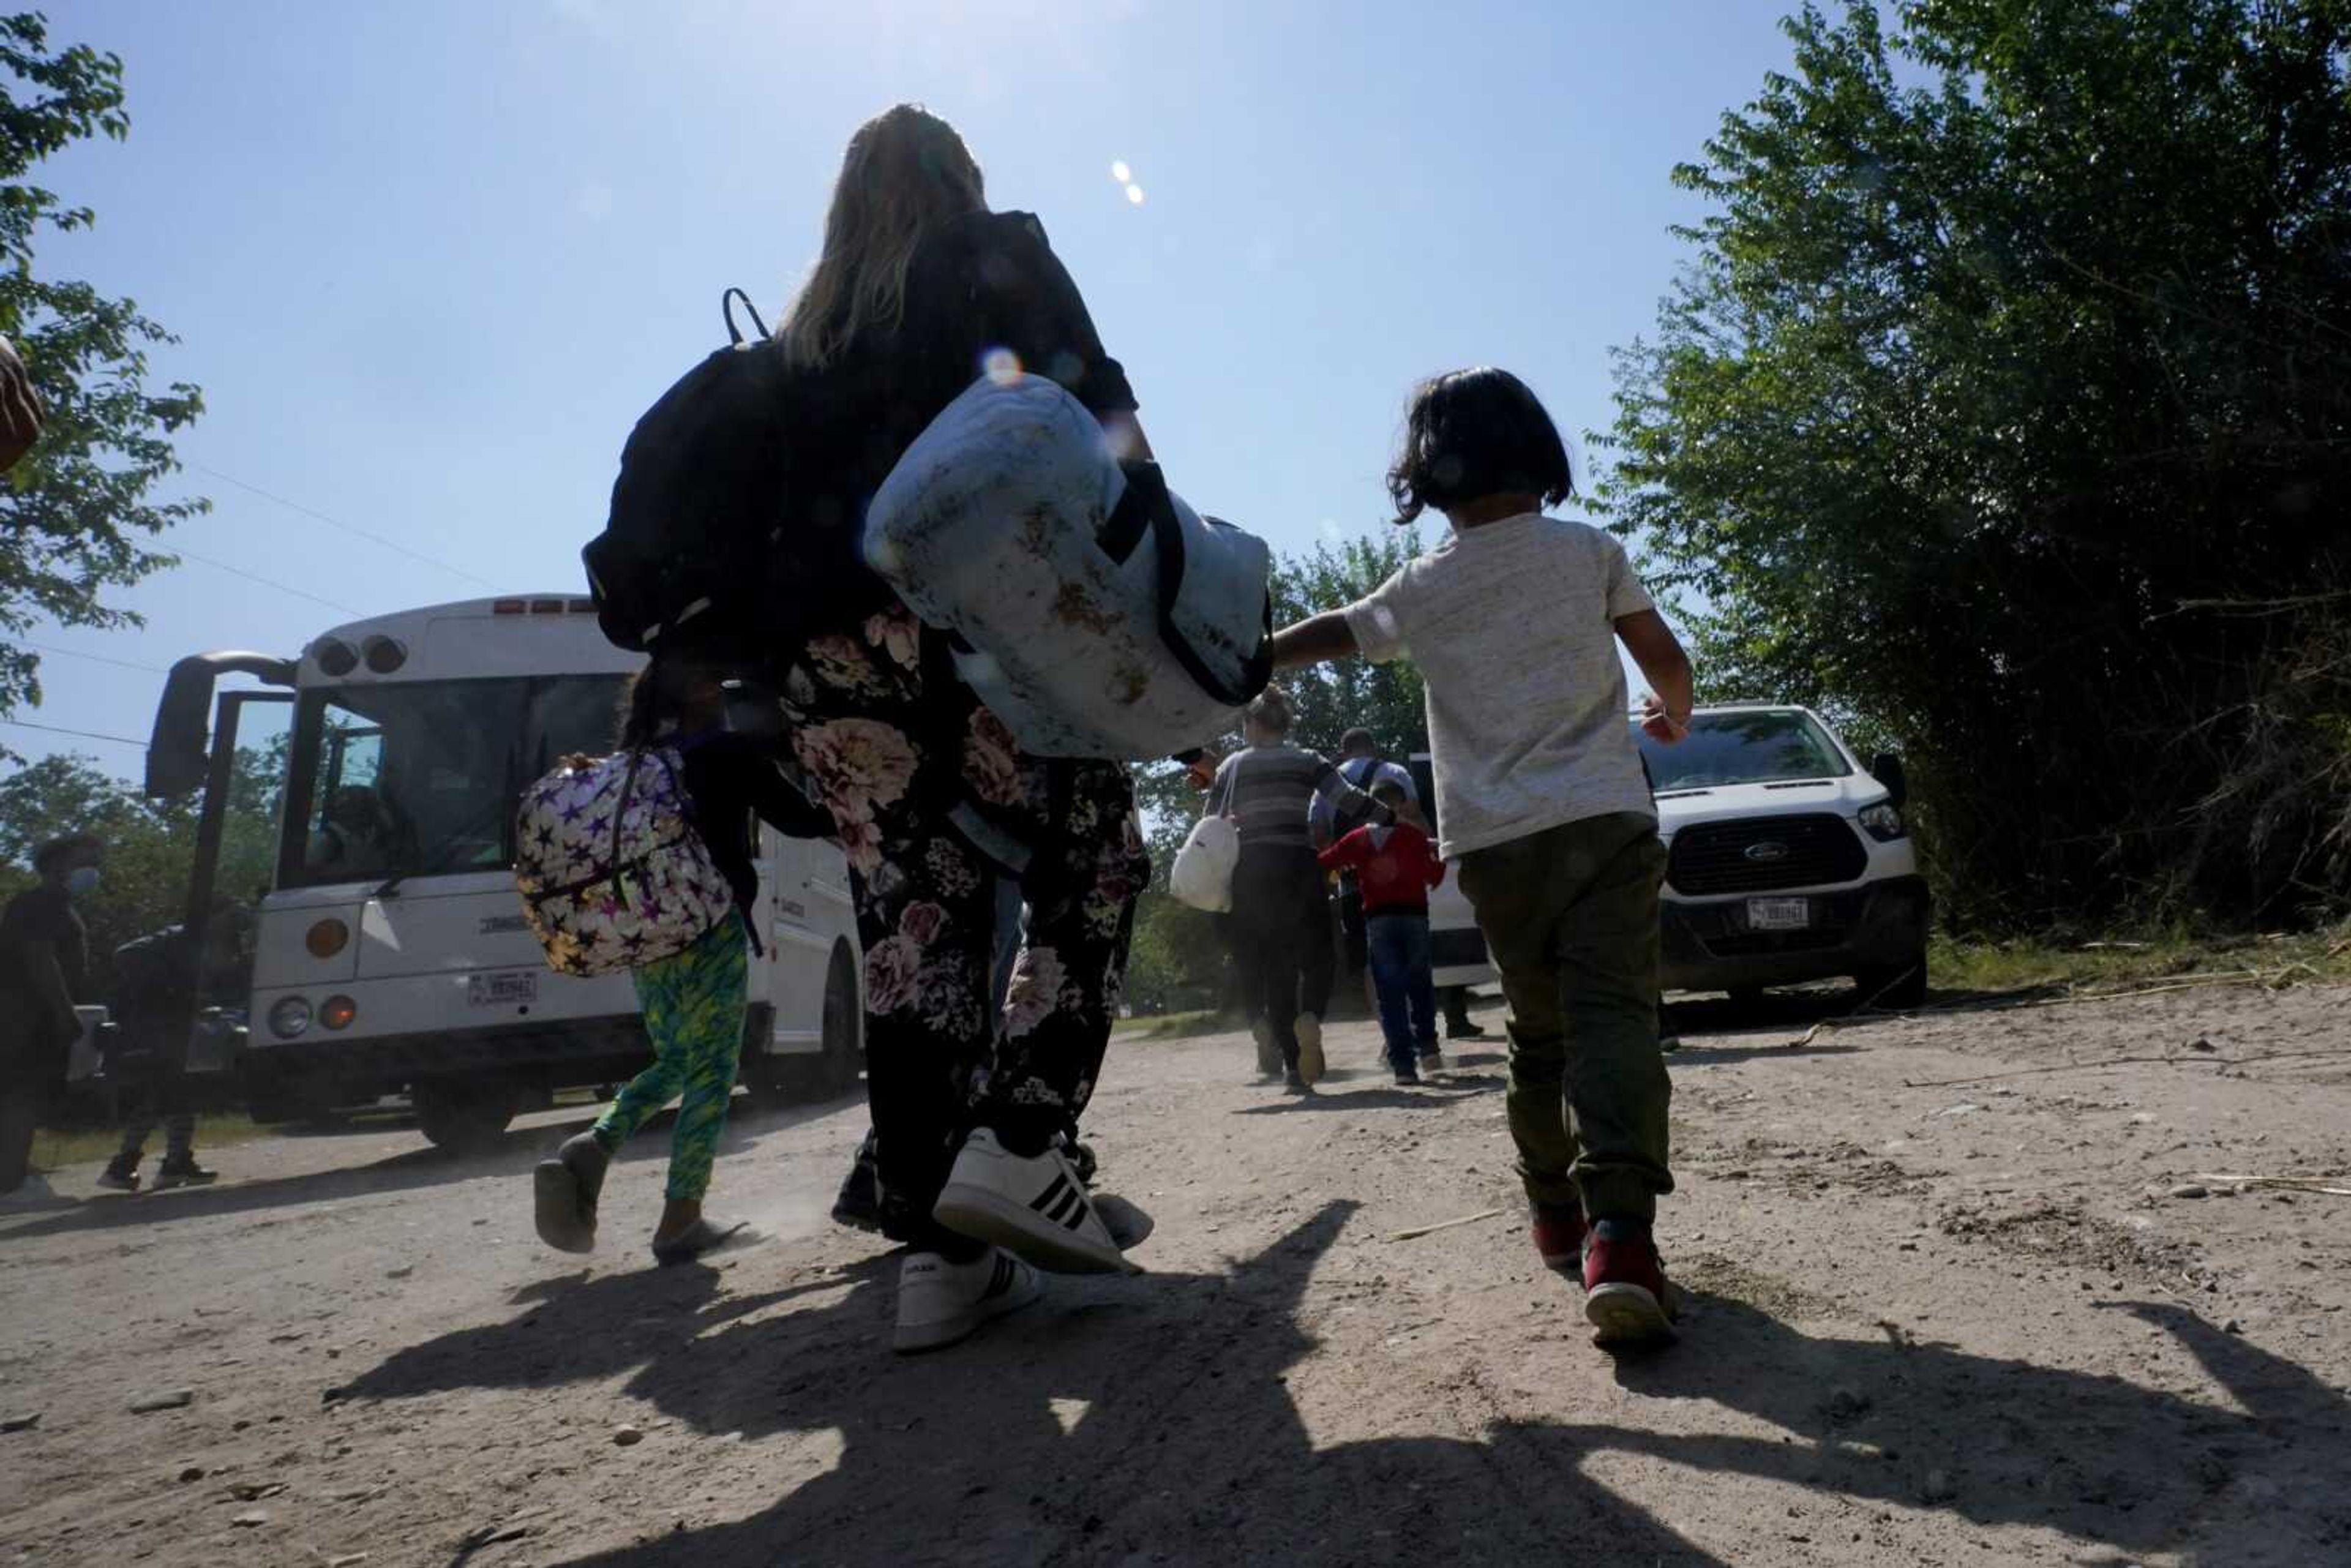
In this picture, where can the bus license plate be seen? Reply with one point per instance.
(1779, 914)
(501, 991)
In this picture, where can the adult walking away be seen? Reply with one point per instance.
(694, 1000)
(1361, 764)
(919, 289)
(1281, 923)
(1514, 621)
(1395, 867)
(44, 970)
(163, 979)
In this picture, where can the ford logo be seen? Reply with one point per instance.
(1767, 852)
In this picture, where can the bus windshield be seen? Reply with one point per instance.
(1743, 747)
(420, 778)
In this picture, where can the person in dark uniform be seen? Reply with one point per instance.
(44, 970)
(163, 979)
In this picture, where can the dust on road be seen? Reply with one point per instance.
(1943, 1306)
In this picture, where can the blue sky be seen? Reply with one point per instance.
(431, 259)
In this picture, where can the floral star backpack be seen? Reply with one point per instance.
(612, 873)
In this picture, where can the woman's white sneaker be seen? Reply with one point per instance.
(941, 1303)
(1032, 1206)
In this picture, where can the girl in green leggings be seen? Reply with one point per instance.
(693, 1000)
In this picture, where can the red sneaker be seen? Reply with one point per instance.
(1559, 1237)
(1626, 1297)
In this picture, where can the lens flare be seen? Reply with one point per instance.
(1134, 194)
(1001, 366)
(1119, 172)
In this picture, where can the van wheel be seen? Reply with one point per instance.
(465, 1116)
(834, 1070)
(1895, 989)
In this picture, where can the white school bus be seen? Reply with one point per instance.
(392, 956)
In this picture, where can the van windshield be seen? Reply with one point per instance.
(1759, 745)
(420, 778)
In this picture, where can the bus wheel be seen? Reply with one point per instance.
(465, 1116)
(833, 1070)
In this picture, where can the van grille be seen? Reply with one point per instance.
(1739, 857)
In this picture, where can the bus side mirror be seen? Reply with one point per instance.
(1886, 768)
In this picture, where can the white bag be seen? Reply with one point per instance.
(1099, 615)
(1202, 875)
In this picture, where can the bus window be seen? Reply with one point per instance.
(420, 777)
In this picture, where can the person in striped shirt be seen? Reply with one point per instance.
(1281, 923)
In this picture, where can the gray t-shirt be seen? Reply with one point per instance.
(1513, 626)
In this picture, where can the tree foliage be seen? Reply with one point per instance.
(149, 845)
(75, 512)
(2006, 409)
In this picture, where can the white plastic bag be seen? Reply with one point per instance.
(1202, 875)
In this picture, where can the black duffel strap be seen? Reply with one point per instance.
(1147, 492)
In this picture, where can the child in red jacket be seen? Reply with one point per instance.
(1395, 867)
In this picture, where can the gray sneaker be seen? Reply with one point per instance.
(564, 1192)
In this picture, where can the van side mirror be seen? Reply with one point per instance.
(1886, 768)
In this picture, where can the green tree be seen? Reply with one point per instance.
(149, 845)
(2006, 409)
(75, 511)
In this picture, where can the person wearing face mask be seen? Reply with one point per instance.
(43, 966)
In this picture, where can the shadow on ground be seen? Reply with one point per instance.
(1150, 1420)
(513, 1153)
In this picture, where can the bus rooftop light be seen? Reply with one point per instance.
(335, 656)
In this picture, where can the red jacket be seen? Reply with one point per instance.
(1395, 873)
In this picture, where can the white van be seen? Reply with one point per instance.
(1787, 860)
(392, 956)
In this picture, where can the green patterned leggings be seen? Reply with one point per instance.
(693, 1003)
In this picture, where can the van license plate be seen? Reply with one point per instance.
(499, 990)
(1779, 914)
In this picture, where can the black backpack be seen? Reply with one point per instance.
(699, 508)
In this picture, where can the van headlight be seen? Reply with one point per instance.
(289, 1016)
(1882, 822)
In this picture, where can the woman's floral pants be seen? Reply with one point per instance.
(938, 1064)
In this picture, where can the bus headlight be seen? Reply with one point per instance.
(289, 1016)
(326, 939)
(1883, 822)
(337, 1012)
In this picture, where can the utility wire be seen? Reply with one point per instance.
(97, 658)
(176, 548)
(353, 529)
(84, 733)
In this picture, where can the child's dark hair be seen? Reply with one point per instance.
(1474, 433)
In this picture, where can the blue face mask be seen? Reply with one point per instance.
(82, 880)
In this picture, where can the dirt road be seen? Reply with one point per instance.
(1951, 1299)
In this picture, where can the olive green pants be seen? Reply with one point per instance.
(1570, 916)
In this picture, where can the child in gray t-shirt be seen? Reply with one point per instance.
(1514, 621)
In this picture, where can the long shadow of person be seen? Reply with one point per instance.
(1146, 1419)
(2010, 1442)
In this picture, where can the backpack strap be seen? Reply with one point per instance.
(727, 311)
(619, 816)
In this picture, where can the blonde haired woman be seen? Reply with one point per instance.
(919, 291)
